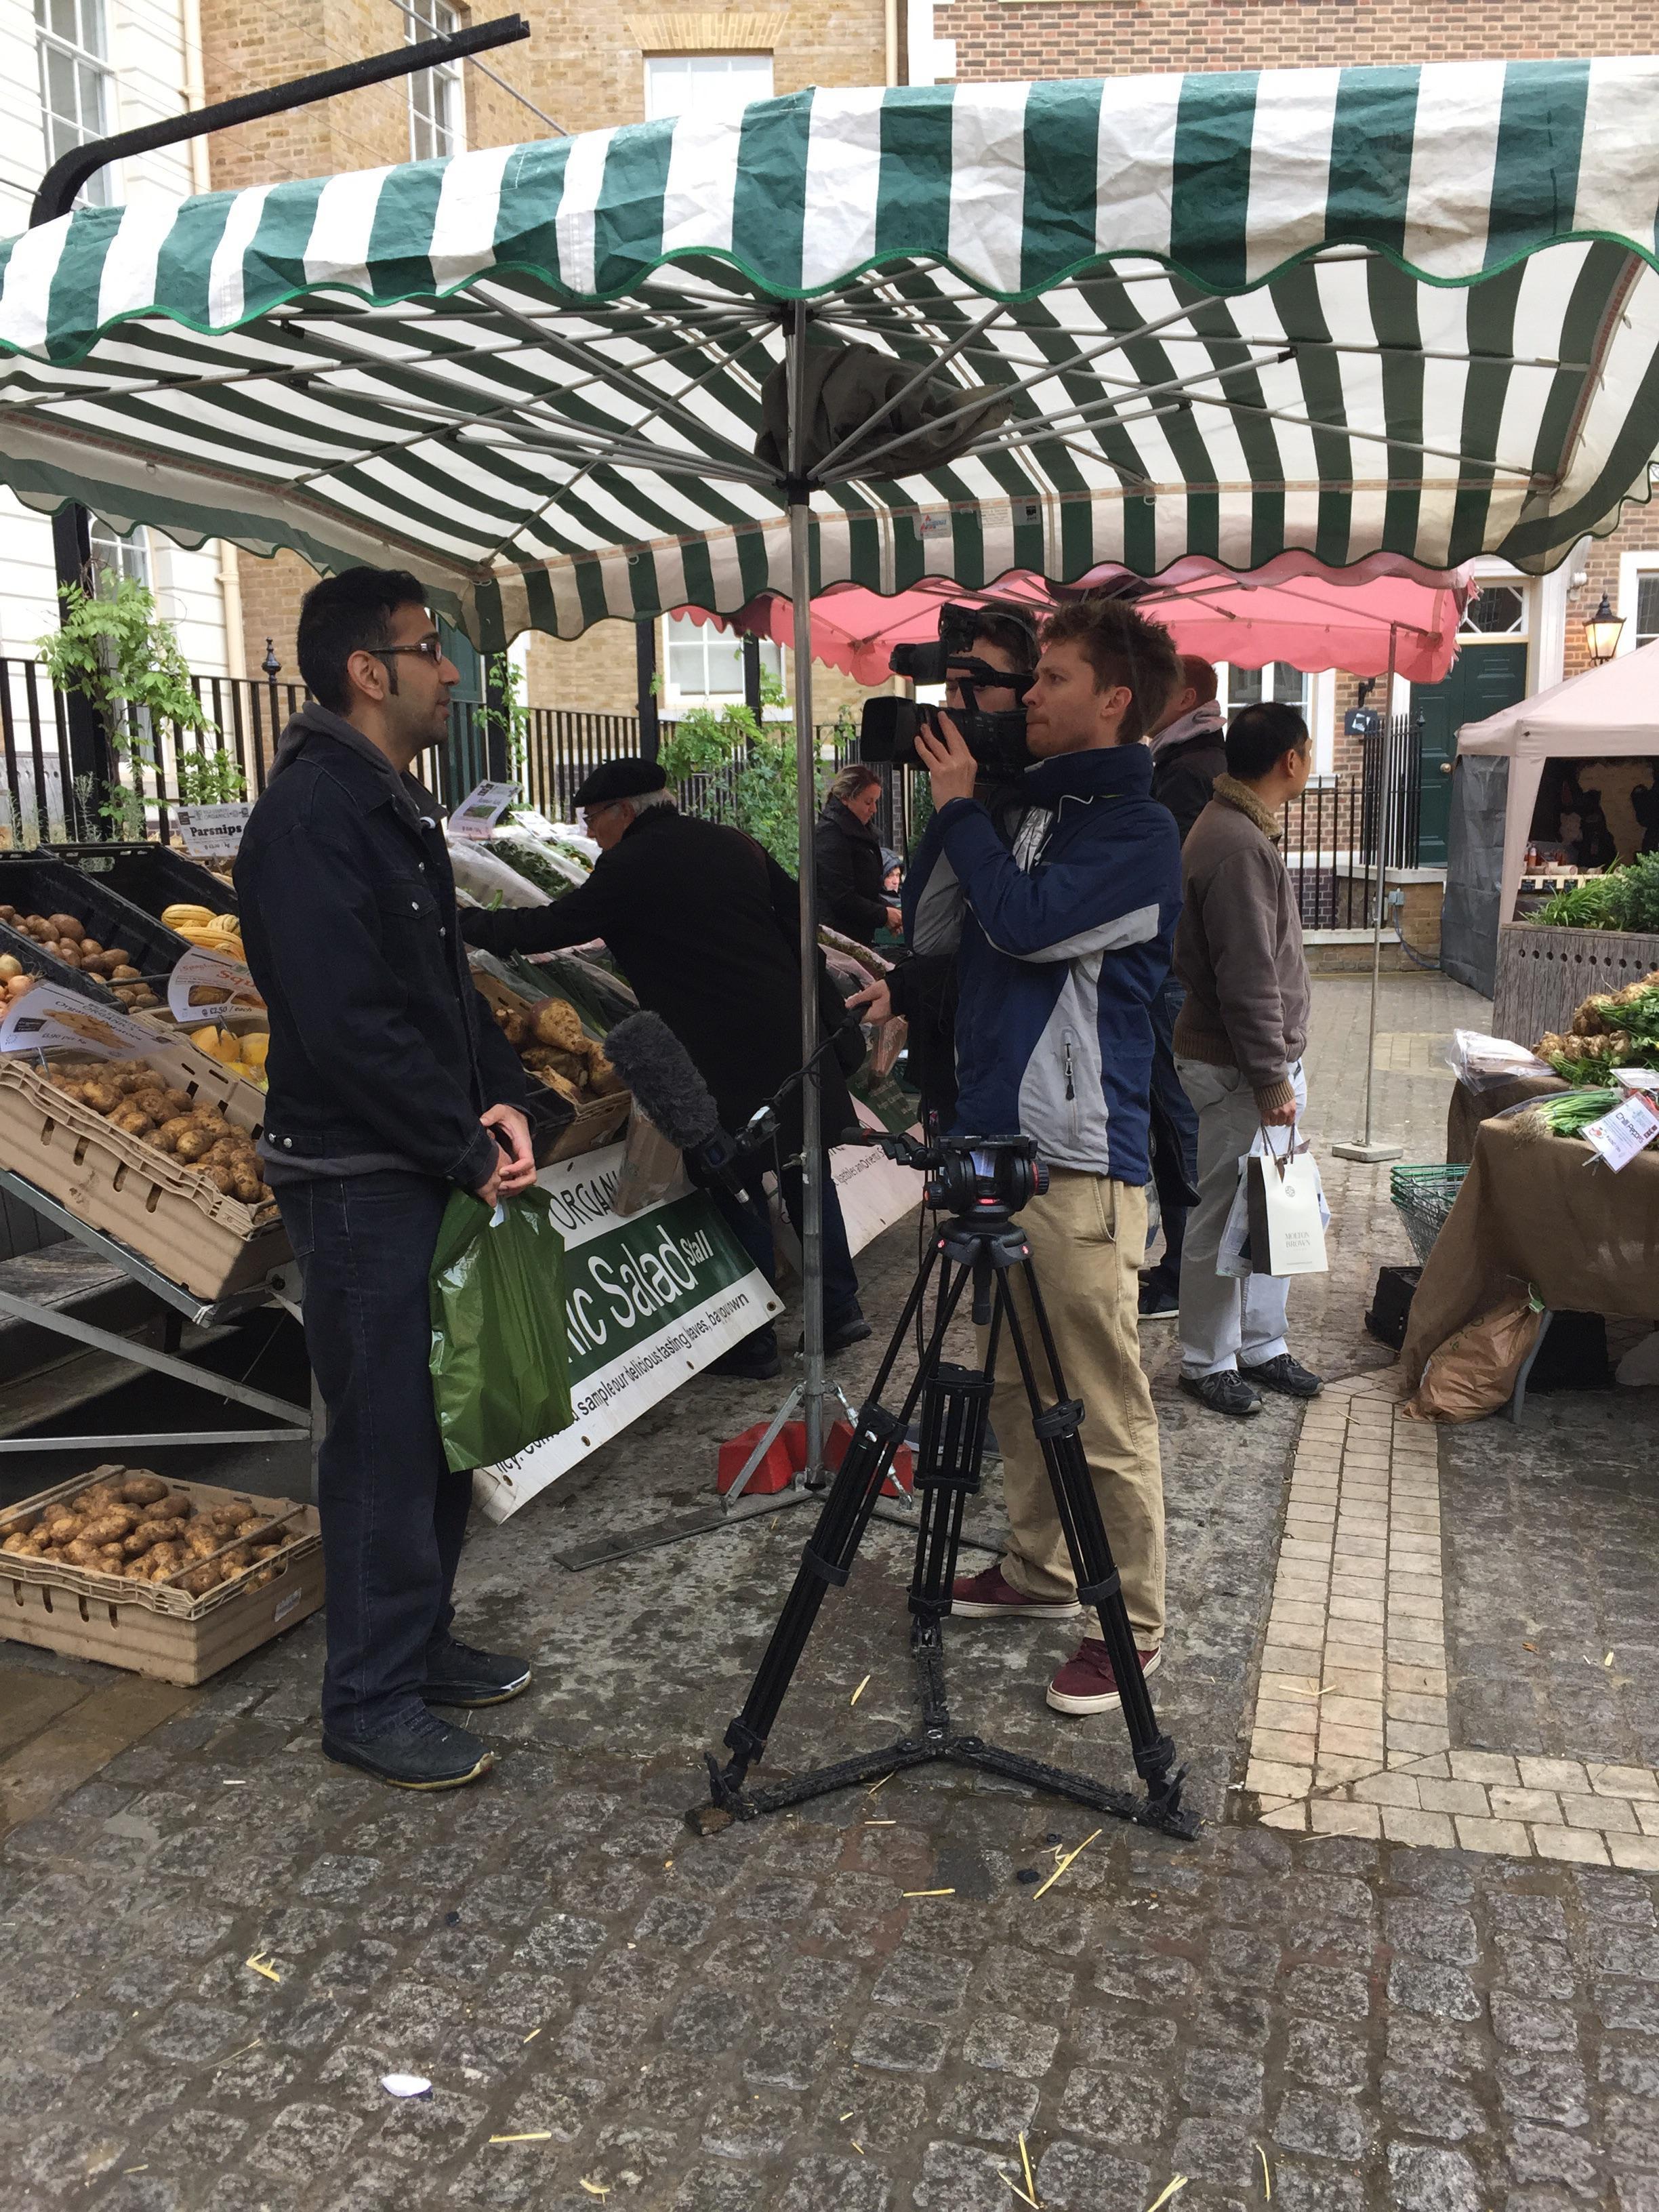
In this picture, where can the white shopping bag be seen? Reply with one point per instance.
(1284, 1200)
(1234, 1256)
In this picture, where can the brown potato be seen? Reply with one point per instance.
(102, 1096)
(555, 1021)
(221, 1179)
(101, 1491)
(176, 1126)
(246, 1185)
(193, 1144)
(151, 1100)
(119, 951)
(81, 1553)
(89, 944)
(200, 1580)
(110, 1527)
(142, 1489)
(131, 1121)
(144, 1538)
(123, 972)
(177, 1505)
(23, 1543)
(177, 1101)
(67, 925)
(164, 1559)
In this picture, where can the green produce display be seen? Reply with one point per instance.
(1623, 898)
(1612, 1029)
(1566, 1112)
(500, 1360)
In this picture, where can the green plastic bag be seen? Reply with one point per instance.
(500, 1365)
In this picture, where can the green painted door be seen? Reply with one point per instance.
(1484, 680)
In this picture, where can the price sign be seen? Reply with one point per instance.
(49, 1014)
(480, 810)
(213, 833)
(1630, 1128)
(206, 987)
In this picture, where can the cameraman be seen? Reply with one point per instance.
(924, 987)
(1065, 944)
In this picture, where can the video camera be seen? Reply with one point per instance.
(982, 1178)
(888, 731)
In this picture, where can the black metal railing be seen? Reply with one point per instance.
(1331, 833)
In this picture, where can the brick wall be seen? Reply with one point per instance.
(1637, 533)
(1019, 38)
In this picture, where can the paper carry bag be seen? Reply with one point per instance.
(1287, 1238)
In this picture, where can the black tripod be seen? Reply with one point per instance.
(984, 1180)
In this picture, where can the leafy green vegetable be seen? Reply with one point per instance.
(1566, 1112)
(1624, 898)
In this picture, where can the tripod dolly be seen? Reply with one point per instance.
(983, 1180)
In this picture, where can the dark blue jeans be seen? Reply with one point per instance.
(1166, 1088)
(750, 1223)
(393, 1516)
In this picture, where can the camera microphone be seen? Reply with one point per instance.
(664, 1079)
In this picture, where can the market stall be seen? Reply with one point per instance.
(1546, 796)
(1294, 609)
(1051, 326)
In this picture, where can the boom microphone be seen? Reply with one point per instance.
(664, 1079)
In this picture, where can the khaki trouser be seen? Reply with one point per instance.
(1086, 1235)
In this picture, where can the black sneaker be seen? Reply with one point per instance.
(1223, 1392)
(755, 1360)
(838, 1335)
(456, 1674)
(1284, 1374)
(419, 1752)
(1159, 1298)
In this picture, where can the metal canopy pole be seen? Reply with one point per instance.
(1366, 1148)
(807, 808)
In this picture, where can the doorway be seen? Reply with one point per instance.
(1489, 674)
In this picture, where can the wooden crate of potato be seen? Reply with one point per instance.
(172, 1580)
(158, 1152)
(547, 1036)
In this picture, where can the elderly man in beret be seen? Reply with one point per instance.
(705, 925)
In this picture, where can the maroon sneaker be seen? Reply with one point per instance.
(1086, 1684)
(992, 1596)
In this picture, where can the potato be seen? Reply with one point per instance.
(22, 1543)
(246, 1185)
(167, 1137)
(177, 1505)
(200, 1580)
(122, 972)
(99, 1491)
(193, 1143)
(177, 1103)
(131, 1122)
(67, 925)
(556, 1021)
(81, 1553)
(109, 1527)
(89, 944)
(221, 1179)
(144, 1538)
(142, 1489)
(163, 1559)
(101, 1095)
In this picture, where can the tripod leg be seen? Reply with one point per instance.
(955, 1402)
(1057, 1427)
(829, 1551)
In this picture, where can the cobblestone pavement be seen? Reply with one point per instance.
(775, 2019)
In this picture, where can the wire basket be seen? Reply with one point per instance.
(1423, 1197)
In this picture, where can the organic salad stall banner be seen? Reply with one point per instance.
(650, 1300)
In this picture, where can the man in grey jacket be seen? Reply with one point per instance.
(1239, 1040)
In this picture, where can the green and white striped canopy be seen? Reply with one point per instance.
(1341, 310)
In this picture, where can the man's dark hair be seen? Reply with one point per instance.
(1259, 737)
(1122, 647)
(1014, 637)
(346, 614)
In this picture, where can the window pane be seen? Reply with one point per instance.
(1496, 610)
(717, 84)
(60, 85)
(91, 26)
(1244, 687)
(1647, 609)
(1290, 684)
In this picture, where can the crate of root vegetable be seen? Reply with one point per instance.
(68, 912)
(173, 1580)
(157, 1152)
(548, 1037)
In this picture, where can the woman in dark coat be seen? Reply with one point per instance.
(705, 926)
(848, 857)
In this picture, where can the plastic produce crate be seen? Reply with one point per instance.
(157, 1630)
(1423, 1197)
(37, 886)
(151, 877)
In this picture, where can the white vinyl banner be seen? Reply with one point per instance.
(650, 1300)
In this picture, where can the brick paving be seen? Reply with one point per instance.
(776, 2020)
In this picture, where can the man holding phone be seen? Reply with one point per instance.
(390, 1085)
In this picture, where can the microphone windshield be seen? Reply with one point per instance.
(658, 1071)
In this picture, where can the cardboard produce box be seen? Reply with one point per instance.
(596, 1121)
(160, 1629)
(210, 1243)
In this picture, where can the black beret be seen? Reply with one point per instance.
(628, 778)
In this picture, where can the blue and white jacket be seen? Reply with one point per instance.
(1064, 944)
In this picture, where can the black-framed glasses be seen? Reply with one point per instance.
(430, 648)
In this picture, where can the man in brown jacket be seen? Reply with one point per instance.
(1239, 1040)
